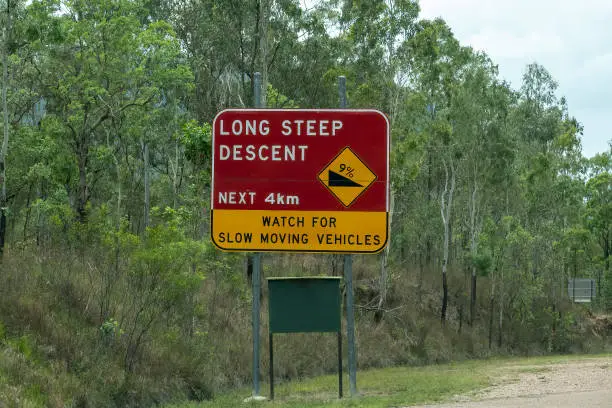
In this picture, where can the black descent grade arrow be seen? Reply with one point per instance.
(338, 180)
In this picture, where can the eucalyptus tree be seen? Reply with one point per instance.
(5, 116)
(5, 123)
(598, 219)
(375, 32)
(227, 42)
(437, 61)
(479, 117)
(103, 63)
(551, 171)
(537, 120)
(16, 100)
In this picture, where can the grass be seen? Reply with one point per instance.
(391, 387)
(387, 387)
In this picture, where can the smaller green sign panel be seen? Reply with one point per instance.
(299, 305)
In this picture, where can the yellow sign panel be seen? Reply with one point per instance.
(347, 176)
(300, 231)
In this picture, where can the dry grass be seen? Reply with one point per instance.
(52, 298)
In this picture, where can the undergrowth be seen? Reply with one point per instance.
(68, 333)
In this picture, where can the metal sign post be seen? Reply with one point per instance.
(256, 277)
(256, 320)
(348, 279)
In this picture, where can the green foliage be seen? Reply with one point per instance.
(277, 100)
(110, 330)
(483, 262)
(197, 142)
(165, 258)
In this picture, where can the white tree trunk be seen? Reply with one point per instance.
(264, 15)
(384, 260)
(474, 230)
(5, 139)
(501, 308)
(446, 203)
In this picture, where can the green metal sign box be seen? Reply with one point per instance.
(299, 305)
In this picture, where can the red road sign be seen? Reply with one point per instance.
(312, 180)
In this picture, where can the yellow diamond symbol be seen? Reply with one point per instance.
(347, 176)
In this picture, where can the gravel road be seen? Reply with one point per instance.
(581, 383)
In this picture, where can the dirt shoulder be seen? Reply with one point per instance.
(586, 383)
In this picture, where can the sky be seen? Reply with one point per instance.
(571, 39)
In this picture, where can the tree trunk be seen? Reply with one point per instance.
(607, 251)
(473, 299)
(445, 210)
(501, 309)
(473, 249)
(444, 296)
(5, 139)
(26, 222)
(384, 273)
(147, 182)
(2, 229)
(461, 315)
(264, 12)
(604, 273)
(383, 279)
(248, 266)
(112, 276)
(491, 311)
(553, 329)
(175, 175)
(82, 157)
(421, 277)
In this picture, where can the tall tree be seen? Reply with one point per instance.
(436, 60)
(105, 64)
(5, 116)
(598, 214)
(17, 97)
(479, 115)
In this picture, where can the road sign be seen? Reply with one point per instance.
(311, 180)
(347, 177)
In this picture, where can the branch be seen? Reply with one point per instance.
(274, 55)
(377, 309)
(100, 120)
(73, 131)
(142, 103)
(452, 190)
(443, 195)
(256, 36)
